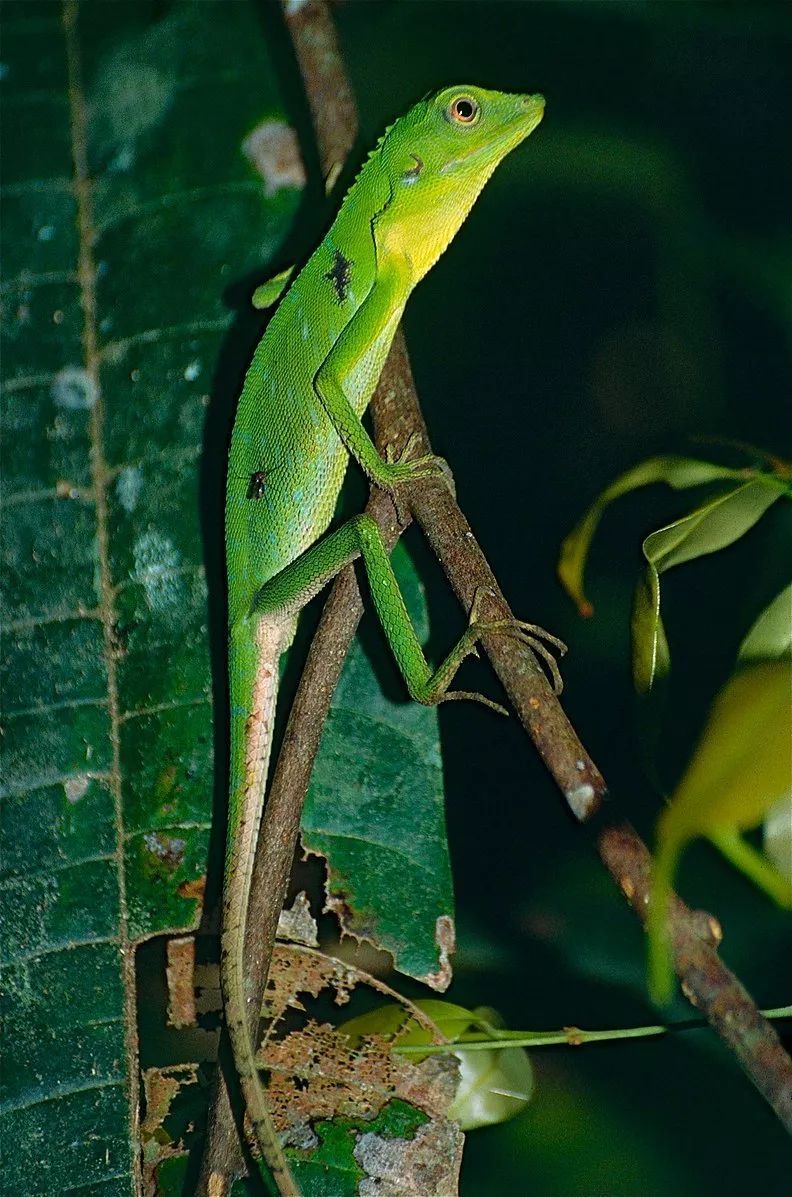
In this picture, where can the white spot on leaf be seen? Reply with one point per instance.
(76, 788)
(192, 371)
(156, 557)
(273, 150)
(73, 389)
(128, 487)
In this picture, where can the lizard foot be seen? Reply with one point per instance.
(536, 638)
(406, 468)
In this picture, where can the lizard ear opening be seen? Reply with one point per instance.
(411, 173)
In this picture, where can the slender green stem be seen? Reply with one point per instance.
(570, 1036)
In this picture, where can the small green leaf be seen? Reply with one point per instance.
(270, 292)
(678, 472)
(713, 526)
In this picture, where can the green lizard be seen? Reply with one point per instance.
(298, 421)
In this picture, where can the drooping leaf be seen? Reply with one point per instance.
(740, 769)
(712, 526)
(677, 472)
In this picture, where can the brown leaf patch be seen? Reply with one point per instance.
(180, 973)
(315, 1070)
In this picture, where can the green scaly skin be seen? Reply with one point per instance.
(297, 423)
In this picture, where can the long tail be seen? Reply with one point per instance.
(254, 690)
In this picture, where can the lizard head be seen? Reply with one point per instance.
(440, 154)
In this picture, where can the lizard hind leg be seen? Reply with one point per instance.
(294, 586)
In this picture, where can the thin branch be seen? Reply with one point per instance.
(706, 981)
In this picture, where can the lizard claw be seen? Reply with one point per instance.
(405, 468)
(530, 634)
(474, 696)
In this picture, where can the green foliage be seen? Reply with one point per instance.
(375, 811)
(717, 523)
(740, 769)
(739, 772)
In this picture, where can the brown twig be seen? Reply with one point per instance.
(706, 981)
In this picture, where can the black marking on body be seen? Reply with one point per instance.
(413, 171)
(340, 275)
(258, 485)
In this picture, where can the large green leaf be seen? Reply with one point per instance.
(383, 830)
(146, 168)
(127, 208)
(739, 775)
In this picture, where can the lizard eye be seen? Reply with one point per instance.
(464, 110)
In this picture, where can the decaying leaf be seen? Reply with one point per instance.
(297, 924)
(381, 1109)
(161, 1087)
(180, 974)
(396, 1167)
